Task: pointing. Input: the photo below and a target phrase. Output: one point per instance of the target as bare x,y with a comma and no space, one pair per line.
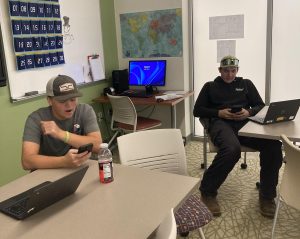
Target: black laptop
41,196
280,111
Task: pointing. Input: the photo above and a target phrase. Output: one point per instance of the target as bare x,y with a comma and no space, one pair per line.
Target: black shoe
267,207
212,204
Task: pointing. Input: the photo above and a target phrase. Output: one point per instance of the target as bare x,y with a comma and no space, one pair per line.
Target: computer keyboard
137,94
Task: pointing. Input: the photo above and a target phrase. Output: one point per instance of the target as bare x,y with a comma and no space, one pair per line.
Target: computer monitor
147,73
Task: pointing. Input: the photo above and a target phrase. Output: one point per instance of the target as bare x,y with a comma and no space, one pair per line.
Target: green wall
13,115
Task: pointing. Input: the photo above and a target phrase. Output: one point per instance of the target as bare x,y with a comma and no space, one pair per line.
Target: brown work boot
267,207
212,204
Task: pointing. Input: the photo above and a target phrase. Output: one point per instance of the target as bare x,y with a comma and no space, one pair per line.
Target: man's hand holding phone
234,113
84,148
235,109
239,113
75,158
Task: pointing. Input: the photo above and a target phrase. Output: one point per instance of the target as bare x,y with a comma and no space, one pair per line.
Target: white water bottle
105,164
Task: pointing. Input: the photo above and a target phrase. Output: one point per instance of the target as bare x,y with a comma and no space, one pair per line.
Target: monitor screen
147,73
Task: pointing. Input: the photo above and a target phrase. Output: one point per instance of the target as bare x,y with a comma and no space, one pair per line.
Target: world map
152,34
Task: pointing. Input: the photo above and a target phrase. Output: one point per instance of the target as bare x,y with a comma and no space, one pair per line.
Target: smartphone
86,147
235,109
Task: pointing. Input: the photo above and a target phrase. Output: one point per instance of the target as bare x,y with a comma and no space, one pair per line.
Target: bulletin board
76,33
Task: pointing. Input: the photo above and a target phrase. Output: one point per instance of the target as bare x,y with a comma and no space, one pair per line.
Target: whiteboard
82,38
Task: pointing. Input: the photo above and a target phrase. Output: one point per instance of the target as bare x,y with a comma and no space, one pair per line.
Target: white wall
285,82
251,50
85,21
177,67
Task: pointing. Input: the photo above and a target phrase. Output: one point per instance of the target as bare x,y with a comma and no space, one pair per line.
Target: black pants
224,135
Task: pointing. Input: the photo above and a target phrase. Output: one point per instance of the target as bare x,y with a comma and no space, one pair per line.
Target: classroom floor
238,198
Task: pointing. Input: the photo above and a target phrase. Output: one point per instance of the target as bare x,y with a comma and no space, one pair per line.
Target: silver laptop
41,196
280,111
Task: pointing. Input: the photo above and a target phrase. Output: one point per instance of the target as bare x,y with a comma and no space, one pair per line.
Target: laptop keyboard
19,207
260,119
260,116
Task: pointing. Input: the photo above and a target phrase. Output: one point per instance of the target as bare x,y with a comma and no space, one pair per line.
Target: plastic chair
167,228
125,119
163,150
209,147
289,191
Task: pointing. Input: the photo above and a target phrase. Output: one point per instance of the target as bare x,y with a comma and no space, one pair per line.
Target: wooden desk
152,101
130,207
273,131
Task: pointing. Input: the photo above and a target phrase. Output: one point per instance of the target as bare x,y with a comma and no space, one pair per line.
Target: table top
132,206
150,100
273,131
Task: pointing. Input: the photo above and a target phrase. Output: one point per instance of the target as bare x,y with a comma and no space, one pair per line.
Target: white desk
152,101
273,131
130,207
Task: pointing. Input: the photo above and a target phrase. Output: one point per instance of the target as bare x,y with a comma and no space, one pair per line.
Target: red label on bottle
106,172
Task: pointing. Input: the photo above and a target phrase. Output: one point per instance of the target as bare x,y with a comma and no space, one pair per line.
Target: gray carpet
238,198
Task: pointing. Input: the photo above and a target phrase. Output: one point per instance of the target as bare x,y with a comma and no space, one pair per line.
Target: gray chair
125,118
209,147
163,150
289,190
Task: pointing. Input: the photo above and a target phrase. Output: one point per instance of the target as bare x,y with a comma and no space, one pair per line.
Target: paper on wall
96,68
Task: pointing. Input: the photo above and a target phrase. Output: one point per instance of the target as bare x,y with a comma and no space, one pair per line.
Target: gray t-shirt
84,121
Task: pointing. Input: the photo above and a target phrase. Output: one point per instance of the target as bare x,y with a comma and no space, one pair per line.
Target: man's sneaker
267,207
212,204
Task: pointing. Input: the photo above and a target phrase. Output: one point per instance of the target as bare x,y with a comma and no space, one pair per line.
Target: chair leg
276,216
184,234
201,233
112,139
204,164
257,185
244,164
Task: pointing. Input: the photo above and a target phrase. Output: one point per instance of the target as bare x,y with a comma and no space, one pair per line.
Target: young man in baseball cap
53,134
216,101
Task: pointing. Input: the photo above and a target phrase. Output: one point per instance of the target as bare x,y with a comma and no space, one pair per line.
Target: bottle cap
104,145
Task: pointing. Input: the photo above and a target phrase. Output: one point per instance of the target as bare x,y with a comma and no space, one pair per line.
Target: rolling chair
125,119
214,149
163,150
289,191
209,147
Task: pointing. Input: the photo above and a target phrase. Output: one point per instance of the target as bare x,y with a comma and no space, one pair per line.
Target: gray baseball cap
62,88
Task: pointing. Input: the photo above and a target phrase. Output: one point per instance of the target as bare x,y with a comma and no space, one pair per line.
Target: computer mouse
159,100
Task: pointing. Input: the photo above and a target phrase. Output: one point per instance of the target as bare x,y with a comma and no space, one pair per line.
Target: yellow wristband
67,137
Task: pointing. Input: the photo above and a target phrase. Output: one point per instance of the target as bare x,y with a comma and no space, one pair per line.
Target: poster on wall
225,48
152,34
226,27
